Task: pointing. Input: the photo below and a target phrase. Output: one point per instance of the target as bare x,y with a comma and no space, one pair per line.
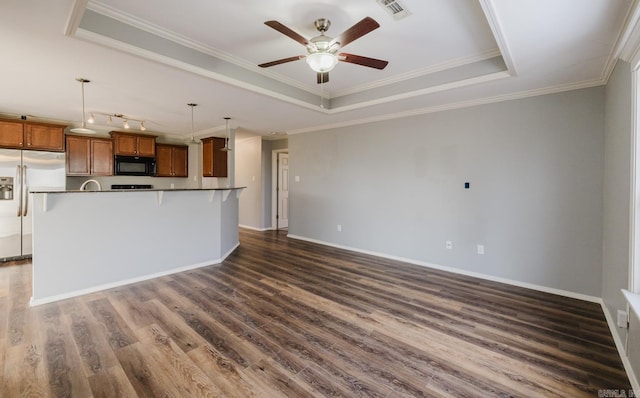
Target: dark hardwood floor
287,318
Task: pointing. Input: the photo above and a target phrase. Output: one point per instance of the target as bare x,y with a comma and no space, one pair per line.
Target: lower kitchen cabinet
172,160
214,160
89,156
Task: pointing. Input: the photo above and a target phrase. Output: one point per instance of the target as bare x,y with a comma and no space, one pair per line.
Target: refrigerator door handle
19,184
26,190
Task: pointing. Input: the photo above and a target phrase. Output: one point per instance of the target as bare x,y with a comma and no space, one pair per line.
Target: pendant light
226,139
83,129
192,140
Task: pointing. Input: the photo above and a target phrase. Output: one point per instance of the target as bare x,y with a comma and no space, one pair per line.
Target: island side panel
89,241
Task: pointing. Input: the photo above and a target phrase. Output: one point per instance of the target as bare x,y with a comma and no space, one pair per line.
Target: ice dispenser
6,188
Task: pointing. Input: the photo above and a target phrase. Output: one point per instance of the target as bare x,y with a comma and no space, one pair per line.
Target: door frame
274,185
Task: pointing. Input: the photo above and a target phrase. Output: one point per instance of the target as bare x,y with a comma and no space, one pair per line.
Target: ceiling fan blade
287,32
323,77
356,31
364,61
281,61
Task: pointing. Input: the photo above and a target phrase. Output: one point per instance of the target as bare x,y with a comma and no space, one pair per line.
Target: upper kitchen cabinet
131,144
29,135
172,160
89,156
214,160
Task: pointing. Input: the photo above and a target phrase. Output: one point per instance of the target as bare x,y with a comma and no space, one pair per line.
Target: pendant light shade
192,140
226,139
83,129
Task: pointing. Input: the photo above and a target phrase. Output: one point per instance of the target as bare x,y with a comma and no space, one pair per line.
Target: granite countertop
138,190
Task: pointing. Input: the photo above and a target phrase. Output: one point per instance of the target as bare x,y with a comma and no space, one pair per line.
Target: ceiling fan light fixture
322,61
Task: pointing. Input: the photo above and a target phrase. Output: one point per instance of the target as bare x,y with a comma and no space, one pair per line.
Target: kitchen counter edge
142,190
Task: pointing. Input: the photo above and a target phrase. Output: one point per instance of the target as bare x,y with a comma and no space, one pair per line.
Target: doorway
280,189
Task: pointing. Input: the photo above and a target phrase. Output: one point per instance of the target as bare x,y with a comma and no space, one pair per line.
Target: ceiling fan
322,51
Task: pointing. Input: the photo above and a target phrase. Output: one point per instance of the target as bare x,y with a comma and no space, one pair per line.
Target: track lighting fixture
125,120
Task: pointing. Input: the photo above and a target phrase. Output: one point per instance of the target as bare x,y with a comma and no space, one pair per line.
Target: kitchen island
86,241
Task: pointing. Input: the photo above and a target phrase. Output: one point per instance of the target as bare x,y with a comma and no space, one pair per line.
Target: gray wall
617,190
535,167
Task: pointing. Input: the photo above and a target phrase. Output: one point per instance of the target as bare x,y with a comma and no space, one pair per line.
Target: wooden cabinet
214,160
131,144
172,160
28,135
89,156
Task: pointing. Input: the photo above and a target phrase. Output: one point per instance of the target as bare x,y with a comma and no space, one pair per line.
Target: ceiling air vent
395,8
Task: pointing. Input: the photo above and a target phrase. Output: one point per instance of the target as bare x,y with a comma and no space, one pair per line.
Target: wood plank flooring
285,318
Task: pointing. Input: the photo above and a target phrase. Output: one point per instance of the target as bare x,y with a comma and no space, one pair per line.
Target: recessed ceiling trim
490,13
166,60
452,106
75,16
424,91
628,43
454,63
177,38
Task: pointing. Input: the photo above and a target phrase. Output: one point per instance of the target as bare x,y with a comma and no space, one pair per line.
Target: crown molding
156,30
75,16
627,47
454,63
453,106
490,13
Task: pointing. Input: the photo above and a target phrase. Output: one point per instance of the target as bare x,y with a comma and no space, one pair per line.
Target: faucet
84,184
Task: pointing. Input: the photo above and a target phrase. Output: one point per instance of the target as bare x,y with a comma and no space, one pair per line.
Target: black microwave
134,166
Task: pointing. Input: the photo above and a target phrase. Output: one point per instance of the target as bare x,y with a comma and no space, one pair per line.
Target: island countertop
135,190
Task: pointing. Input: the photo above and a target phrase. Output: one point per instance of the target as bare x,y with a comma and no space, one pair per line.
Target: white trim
75,16
424,91
620,346
45,300
419,72
454,105
140,52
492,278
494,23
629,38
253,228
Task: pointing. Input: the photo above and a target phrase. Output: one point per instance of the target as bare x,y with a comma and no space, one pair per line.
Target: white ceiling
148,59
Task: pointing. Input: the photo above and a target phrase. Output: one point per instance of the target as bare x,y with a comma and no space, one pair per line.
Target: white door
283,190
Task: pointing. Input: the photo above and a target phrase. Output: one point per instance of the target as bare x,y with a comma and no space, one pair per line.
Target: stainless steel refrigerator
21,172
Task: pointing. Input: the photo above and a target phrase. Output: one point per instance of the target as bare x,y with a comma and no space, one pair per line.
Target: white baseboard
45,300
532,286
254,228
620,346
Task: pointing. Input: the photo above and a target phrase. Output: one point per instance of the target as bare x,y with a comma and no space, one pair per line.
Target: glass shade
322,62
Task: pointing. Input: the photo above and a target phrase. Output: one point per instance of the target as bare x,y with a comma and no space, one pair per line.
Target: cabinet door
181,162
207,157
146,146
78,156
101,157
126,145
47,138
11,134
219,158
164,161
214,161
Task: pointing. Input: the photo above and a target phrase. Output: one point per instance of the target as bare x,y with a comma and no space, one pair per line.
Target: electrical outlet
622,319
339,228
448,244
480,249
296,178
